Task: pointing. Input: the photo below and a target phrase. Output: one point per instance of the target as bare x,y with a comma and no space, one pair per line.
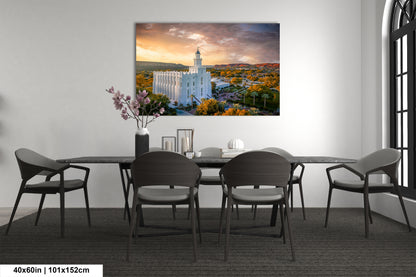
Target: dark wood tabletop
202,161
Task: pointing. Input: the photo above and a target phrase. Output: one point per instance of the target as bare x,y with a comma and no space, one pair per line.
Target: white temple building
183,86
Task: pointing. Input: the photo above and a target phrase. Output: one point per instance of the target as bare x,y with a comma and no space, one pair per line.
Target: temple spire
197,59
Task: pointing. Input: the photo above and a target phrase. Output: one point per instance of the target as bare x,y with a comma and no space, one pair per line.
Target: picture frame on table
185,140
169,143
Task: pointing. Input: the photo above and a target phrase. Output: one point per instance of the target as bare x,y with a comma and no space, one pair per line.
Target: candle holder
185,140
169,143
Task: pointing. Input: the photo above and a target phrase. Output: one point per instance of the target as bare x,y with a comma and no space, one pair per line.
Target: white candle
188,145
183,145
168,146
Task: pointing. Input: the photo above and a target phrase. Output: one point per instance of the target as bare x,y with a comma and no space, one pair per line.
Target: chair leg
87,205
301,199
366,212
369,213
227,228
42,198
238,212
19,195
198,218
62,198
173,212
282,223
399,194
328,205
193,228
291,196
288,224
141,218
174,207
254,207
134,215
224,199
273,217
138,216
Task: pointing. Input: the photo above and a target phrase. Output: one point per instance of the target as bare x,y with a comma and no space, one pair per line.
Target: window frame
403,24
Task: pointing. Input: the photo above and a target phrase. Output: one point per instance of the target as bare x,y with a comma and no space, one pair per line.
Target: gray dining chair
294,179
32,164
153,149
383,161
165,169
255,168
209,179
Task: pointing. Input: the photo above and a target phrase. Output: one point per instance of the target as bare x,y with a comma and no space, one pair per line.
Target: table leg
275,208
125,182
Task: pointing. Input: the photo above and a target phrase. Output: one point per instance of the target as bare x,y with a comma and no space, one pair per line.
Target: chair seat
257,195
53,186
164,195
210,180
358,184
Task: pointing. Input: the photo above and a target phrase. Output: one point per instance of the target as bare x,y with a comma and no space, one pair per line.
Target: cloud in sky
218,43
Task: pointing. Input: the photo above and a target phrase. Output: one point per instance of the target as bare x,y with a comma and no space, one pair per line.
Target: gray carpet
340,250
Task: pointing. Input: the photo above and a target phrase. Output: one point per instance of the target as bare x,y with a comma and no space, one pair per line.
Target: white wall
57,58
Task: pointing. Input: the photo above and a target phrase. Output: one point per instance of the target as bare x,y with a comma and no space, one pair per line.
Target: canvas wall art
210,69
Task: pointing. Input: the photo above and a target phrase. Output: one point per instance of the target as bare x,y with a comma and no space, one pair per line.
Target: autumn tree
144,81
209,107
259,89
272,81
236,81
234,111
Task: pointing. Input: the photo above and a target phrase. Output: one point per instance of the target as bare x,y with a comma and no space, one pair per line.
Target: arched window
402,90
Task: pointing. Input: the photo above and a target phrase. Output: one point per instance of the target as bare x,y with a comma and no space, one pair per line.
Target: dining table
124,164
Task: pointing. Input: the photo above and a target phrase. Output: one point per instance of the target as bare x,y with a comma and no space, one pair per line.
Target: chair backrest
32,163
164,168
387,158
213,152
279,151
256,168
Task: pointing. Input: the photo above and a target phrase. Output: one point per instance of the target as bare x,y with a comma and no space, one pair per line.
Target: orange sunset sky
218,43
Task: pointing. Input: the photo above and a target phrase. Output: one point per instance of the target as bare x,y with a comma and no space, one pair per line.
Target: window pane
404,53
404,92
405,169
405,129
398,56
399,172
399,130
399,93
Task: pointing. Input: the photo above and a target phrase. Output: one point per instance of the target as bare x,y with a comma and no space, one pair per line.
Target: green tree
162,98
254,94
213,87
265,96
